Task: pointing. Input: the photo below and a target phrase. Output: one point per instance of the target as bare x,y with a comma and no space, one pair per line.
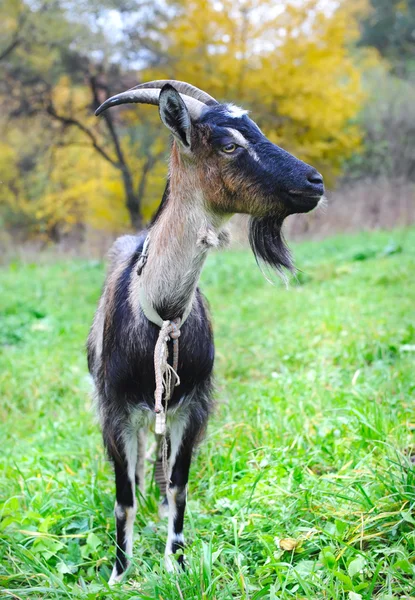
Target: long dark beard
268,244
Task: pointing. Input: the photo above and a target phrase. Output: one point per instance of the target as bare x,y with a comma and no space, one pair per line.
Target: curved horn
180,86
150,96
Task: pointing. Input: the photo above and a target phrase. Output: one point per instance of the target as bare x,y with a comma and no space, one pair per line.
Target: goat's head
239,169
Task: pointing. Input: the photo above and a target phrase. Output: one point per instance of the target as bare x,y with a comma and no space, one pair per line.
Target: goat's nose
315,178
315,183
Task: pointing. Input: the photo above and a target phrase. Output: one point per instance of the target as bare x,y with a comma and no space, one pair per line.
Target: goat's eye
229,148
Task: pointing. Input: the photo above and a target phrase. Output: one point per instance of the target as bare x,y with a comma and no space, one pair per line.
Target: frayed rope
166,379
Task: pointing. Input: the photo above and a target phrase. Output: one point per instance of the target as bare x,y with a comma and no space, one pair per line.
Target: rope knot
166,374
175,333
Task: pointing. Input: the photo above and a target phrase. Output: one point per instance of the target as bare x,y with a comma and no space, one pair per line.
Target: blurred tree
47,188
53,41
390,28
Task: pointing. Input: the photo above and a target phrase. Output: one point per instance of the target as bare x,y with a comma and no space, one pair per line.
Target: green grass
312,438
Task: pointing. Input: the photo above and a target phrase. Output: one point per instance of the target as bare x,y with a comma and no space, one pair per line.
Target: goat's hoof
181,561
115,577
169,563
174,565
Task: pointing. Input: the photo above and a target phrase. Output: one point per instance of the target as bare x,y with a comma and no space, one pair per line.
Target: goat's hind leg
123,451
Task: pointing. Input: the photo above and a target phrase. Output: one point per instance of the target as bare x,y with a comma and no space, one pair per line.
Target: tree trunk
148,165
132,200
134,211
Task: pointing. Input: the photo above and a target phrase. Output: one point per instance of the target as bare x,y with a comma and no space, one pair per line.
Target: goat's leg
125,462
141,461
182,443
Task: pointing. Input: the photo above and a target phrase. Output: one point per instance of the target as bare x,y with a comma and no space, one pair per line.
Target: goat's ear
174,114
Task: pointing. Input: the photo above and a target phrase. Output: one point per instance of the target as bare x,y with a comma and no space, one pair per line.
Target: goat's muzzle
307,197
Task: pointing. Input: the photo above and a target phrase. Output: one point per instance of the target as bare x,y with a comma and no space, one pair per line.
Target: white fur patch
242,141
238,137
177,429
253,154
129,528
207,238
235,111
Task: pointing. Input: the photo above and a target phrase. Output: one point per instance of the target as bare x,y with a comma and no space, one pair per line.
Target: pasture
304,486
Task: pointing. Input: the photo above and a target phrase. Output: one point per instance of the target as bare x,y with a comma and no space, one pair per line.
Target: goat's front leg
182,442
125,463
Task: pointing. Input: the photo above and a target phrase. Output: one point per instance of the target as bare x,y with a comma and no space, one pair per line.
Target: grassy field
304,486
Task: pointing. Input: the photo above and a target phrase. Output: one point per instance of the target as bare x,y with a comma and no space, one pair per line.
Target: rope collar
143,257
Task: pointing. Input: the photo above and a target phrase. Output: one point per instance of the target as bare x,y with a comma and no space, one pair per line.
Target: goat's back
123,249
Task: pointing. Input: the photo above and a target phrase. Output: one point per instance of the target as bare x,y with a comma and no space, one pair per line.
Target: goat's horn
180,86
150,96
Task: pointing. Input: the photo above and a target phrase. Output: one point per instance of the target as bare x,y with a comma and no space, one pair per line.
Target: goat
220,164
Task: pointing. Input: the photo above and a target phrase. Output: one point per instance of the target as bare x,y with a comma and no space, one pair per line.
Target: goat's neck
178,246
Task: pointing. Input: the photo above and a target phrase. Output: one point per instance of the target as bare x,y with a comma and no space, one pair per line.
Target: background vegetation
330,81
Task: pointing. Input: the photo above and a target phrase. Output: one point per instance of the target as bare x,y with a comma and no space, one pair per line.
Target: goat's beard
268,244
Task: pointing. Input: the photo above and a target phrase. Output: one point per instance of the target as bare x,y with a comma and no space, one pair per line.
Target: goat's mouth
287,203
300,202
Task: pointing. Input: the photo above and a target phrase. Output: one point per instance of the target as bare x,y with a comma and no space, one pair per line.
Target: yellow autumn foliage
67,184
288,61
